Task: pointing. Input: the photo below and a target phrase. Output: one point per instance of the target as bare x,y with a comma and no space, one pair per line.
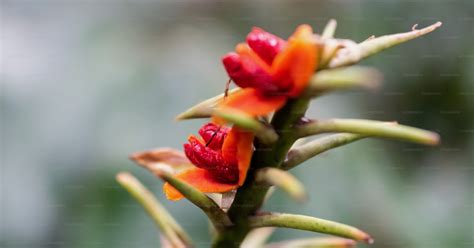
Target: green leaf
314,243
170,229
308,223
218,217
284,180
203,109
299,154
342,79
353,54
329,29
263,132
390,130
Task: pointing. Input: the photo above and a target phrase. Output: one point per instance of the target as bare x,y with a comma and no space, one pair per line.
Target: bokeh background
85,83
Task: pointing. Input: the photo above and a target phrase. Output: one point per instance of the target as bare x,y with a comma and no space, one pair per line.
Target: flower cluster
221,158
269,70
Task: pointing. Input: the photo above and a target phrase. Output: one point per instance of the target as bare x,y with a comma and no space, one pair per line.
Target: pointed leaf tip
204,108
329,30
369,240
353,54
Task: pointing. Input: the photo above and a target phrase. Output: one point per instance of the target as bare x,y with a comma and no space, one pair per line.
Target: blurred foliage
86,83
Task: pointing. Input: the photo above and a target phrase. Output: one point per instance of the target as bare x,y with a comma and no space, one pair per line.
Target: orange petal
230,145
238,145
297,62
244,154
253,102
201,180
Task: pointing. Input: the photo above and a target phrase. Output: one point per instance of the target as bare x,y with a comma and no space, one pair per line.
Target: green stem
251,195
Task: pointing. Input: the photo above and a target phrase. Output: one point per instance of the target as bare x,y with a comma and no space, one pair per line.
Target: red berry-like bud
264,44
213,135
234,67
210,158
202,156
247,73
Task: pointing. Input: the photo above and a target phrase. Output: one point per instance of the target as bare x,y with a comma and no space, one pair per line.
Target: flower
270,70
221,158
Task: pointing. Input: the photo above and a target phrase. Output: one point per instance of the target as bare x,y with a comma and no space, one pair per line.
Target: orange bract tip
302,30
253,102
242,48
197,139
201,180
298,61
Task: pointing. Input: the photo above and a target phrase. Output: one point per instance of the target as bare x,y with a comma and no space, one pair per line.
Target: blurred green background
85,83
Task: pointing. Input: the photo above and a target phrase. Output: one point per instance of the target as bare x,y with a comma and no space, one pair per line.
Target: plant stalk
251,195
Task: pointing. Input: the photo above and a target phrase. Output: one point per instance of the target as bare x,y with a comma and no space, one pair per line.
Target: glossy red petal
213,135
243,76
211,160
201,180
265,44
200,155
258,72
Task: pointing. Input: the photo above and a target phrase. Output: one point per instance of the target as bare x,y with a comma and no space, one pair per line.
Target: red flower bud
271,70
248,74
211,158
213,135
265,44
221,159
